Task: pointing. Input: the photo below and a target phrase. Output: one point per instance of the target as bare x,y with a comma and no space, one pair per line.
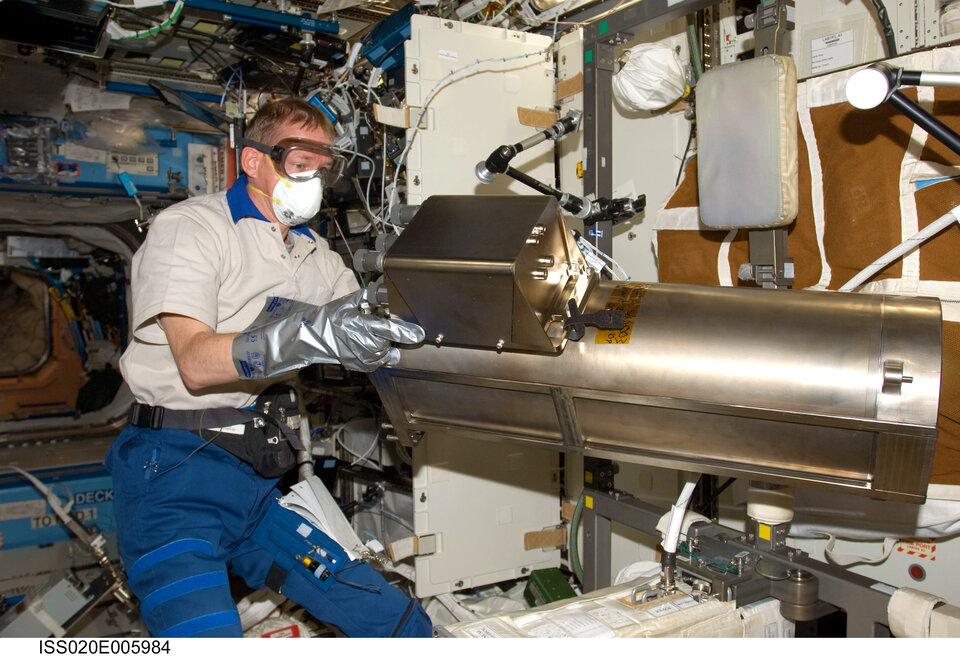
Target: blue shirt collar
242,207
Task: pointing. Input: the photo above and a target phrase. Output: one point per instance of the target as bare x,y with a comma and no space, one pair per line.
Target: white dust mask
297,202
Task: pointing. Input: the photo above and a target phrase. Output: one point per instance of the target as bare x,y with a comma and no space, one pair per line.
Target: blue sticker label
593,232
127,183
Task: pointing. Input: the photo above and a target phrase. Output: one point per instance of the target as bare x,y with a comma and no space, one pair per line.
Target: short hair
276,113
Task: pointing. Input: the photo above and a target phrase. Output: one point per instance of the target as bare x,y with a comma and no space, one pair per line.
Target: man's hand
290,335
366,339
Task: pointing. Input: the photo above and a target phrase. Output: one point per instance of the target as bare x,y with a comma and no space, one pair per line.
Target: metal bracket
619,38
644,593
769,265
773,21
603,319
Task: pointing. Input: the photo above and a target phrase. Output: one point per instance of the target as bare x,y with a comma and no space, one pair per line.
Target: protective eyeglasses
301,159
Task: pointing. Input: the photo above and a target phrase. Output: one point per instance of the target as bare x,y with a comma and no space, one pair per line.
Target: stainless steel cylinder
786,386
799,595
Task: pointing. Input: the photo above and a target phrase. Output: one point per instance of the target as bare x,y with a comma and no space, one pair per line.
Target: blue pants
181,530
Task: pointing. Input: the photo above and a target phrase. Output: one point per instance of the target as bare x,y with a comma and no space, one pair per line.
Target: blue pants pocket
295,543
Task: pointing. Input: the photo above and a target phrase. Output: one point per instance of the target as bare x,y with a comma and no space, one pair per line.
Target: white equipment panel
472,111
479,499
832,35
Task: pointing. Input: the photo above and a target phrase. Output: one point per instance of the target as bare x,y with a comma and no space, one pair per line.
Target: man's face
261,170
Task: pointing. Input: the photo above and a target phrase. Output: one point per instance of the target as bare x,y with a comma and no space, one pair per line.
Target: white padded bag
747,144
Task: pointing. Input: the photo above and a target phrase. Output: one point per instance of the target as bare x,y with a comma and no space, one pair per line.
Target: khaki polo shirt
215,258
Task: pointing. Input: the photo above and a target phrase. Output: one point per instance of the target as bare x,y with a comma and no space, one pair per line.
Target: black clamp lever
603,320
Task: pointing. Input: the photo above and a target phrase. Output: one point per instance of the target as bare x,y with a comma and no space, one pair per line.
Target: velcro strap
276,577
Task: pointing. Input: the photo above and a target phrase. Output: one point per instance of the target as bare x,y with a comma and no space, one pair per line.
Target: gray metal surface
518,272
782,386
808,588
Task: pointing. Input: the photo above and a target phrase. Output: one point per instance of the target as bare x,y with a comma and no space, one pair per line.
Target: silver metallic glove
290,334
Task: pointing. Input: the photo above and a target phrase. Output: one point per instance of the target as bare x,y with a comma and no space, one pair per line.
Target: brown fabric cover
860,152
939,256
860,155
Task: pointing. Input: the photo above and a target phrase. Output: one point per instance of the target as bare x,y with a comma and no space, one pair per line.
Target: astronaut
230,291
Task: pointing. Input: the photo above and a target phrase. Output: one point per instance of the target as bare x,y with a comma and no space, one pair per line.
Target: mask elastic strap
263,193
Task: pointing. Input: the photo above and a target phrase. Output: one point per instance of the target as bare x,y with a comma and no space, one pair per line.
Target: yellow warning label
626,298
579,170
589,502
588,476
763,532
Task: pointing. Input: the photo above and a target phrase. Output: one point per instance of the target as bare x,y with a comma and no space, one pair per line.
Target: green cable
694,48
574,528
153,31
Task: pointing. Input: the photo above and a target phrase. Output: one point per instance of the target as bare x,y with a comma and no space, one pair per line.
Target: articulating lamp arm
879,83
590,212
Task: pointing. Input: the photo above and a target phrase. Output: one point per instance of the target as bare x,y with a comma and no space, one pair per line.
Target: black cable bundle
888,36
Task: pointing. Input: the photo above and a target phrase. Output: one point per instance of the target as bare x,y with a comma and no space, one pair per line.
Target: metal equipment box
514,283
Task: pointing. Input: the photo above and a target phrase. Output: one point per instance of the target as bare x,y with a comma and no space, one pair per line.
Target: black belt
156,417
265,443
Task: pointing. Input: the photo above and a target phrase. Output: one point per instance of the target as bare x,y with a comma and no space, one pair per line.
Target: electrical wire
61,509
93,539
620,5
240,88
338,438
122,34
439,86
912,242
720,490
215,63
277,68
671,536
383,172
889,38
345,242
683,158
591,252
386,513
365,199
